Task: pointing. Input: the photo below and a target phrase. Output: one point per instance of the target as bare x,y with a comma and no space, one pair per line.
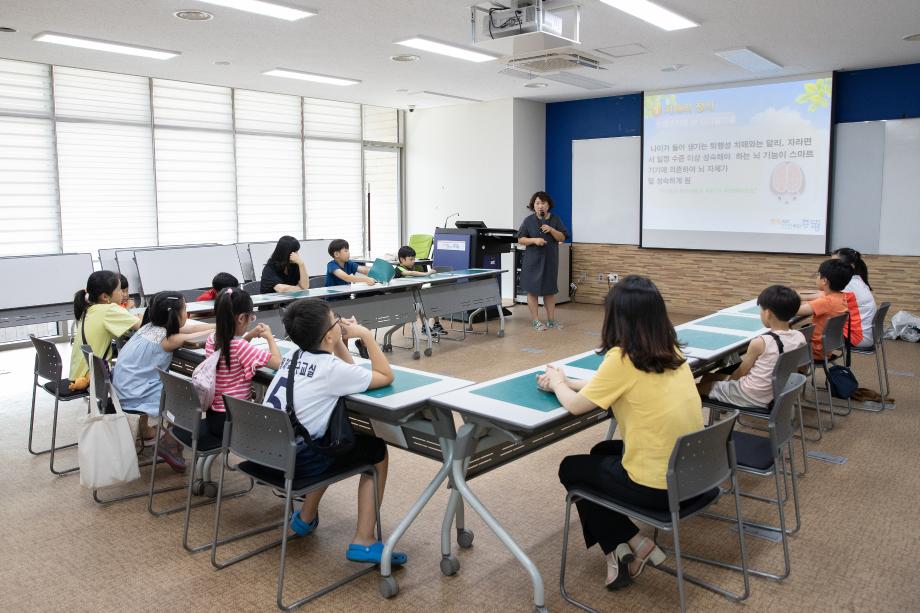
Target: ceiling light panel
653,13
310,76
750,61
572,78
261,7
104,45
423,43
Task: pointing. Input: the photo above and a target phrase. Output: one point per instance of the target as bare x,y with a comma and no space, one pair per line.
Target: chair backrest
317,281
787,363
832,338
48,362
783,412
179,402
808,331
253,287
274,319
878,323
700,461
422,244
98,379
261,434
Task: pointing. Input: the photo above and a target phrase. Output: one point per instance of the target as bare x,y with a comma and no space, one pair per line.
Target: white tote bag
106,446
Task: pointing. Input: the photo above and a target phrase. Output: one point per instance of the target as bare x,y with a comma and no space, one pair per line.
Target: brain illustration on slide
787,182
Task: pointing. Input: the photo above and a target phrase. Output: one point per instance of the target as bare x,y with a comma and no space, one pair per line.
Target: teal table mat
751,310
735,322
706,340
402,382
521,391
589,362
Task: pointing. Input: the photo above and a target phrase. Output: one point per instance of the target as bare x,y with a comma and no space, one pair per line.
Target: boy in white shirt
325,372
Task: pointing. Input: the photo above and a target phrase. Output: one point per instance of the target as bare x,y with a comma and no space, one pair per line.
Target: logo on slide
787,181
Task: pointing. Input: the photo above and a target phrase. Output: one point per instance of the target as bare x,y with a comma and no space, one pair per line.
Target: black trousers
603,472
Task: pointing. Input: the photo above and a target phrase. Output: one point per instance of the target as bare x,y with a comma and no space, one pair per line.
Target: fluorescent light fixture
440,95
747,59
261,7
309,76
104,45
653,13
427,44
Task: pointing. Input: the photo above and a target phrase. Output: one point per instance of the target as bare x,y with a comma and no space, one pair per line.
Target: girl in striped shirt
239,359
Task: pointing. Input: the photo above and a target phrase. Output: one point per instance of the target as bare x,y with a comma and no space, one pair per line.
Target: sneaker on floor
553,324
439,330
172,456
538,325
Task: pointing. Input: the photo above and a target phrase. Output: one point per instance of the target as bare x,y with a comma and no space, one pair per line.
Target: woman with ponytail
239,359
165,328
861,290
99,318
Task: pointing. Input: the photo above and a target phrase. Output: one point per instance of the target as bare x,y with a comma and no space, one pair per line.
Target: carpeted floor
855,552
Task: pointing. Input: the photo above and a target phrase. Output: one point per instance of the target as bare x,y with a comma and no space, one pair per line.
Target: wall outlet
601,277
612,277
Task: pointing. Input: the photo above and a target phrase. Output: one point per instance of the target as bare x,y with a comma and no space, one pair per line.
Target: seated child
325,372
221,280
833,276
135,378
407,268
341,270
127,302
750,385
99,318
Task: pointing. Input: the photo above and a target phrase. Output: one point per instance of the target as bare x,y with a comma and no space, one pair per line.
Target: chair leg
881,346
565,550
802,438
675,521
54,443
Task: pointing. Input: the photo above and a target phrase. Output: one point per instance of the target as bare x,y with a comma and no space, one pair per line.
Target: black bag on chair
339,438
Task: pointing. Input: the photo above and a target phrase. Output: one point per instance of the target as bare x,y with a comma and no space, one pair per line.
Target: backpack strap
299,430
779,341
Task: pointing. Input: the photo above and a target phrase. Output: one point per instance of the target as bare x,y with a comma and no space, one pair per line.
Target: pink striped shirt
245,360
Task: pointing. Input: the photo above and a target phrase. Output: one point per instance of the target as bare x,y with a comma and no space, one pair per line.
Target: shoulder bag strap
779,342
289,401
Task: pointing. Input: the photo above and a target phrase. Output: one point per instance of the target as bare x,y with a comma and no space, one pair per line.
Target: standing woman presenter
541,234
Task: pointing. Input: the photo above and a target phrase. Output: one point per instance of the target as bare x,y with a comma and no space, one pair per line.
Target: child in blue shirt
341,270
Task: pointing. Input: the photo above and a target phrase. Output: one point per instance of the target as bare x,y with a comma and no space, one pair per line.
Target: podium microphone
457,214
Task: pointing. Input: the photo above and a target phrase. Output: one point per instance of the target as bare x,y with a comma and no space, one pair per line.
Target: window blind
28,174
381,124
269,165
333,192
105,160
331,119
195,165
381,179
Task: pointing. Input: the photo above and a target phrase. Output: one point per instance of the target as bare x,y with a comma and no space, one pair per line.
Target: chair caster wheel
449,566
501,334
416,355
465,538
387,348
209,489
388,587
540,610
197,487
428,352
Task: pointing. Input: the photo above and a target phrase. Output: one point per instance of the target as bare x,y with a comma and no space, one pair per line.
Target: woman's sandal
619,559
372,553
646,553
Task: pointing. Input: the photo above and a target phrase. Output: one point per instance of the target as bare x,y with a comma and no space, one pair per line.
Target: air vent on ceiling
554,60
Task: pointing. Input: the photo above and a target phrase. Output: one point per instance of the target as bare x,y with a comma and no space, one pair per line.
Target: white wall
529,155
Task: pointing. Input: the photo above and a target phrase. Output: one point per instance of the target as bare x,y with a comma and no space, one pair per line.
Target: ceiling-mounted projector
512,27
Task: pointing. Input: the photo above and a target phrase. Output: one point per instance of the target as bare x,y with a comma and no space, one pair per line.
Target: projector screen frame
734,84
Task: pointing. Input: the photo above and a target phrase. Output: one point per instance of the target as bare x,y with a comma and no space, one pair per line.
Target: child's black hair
165,311
405,252
782,301
855,261
99,283
124,282
837,273
230,303
281,256
636,321
307,322
223,280
337,245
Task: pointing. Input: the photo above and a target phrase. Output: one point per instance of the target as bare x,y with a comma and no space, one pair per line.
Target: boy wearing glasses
325,371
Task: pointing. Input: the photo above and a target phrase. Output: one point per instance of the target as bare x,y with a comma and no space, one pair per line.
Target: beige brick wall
699,281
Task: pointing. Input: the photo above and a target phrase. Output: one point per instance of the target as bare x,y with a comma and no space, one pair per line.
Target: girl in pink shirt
239,359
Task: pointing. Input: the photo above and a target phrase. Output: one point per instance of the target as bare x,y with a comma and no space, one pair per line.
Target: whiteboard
43,279
606,182
109,260
313,252
900,218
183,268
